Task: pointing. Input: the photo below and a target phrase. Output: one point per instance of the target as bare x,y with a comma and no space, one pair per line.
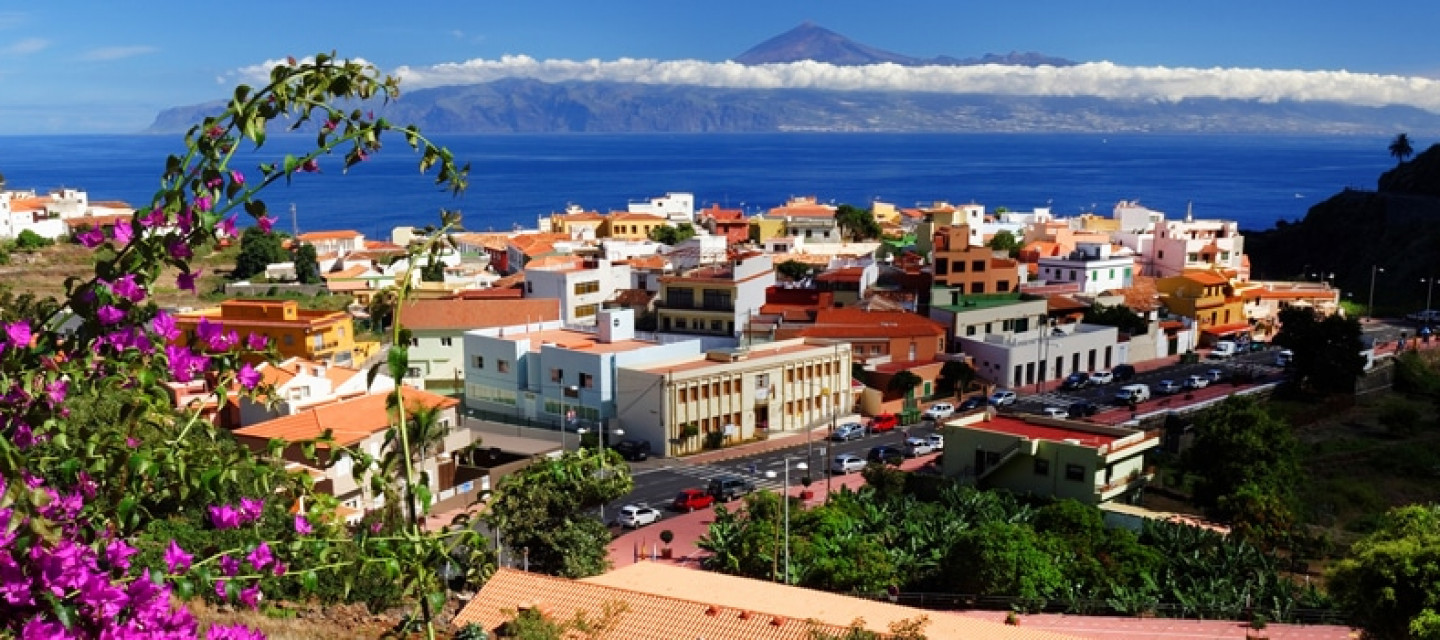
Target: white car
937,442
939,411
847,462
1102,377
1284,358
636,516
1055,412
1002,398
916,447
1196,382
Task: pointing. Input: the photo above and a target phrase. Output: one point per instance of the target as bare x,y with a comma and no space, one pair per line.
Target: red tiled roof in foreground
349,422
1021,428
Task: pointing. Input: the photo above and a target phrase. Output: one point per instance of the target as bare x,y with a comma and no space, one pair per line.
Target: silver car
916,447
636,516
847,462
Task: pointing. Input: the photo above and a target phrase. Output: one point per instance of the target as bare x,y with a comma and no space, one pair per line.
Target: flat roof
701,362
971,303
1014,427
576,341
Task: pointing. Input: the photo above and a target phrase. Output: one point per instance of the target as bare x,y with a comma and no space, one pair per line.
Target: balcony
693,306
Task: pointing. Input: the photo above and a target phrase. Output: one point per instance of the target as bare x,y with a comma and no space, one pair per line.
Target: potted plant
1012,619
806,493
689,430
666,536
1258,622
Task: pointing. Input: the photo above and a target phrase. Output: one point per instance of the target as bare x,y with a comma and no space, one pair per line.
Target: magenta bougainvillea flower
110,314
226,228
164,326
302,525
248,376
265,223
91,238
123,232
186,280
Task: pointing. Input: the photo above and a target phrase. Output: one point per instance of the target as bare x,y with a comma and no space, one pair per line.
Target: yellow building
1210,299
325,336
885,212
622,225
577,224
762,229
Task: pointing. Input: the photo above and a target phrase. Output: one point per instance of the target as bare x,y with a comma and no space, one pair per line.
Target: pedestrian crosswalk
708,472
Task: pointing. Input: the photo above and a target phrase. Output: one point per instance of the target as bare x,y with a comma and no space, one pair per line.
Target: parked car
728,488
1167,387
916,447
1101,377
1284,358
635,516
884,422
1082,409
1428,316
1054,412
633,450
1215,375
848,431
846,462
972,403
1075,380
939,411
1223,350
1002,398
691,499
937,442
885,455
1132,393
1123,372
1196,382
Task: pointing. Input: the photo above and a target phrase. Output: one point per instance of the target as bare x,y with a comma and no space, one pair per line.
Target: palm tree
903,383
382,308
1400,148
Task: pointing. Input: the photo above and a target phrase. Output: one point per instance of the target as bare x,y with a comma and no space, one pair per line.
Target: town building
577,224
1263,308
727,396
622,225
962,262
1093,266
715,300
807,218
437,330
545,373
977,316
361,424
875,337
296,384
326,336
339,242
1048,353
1048,458
1189,244
1210,299
674,207
581,285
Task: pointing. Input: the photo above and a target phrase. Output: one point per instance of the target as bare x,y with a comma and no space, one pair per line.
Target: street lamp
600,436
1370,306
785,495
1430,291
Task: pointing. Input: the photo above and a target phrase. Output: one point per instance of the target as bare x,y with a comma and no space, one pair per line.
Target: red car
691,499
883,422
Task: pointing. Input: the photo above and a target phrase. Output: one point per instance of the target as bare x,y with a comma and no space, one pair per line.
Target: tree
1119,316
1327,350
381,308
1006,241
1390,580
258,250
857,223
534,511
903,383
955,376
1400,148
1248,463
794,269
29,241
672,236
1002,558
307,264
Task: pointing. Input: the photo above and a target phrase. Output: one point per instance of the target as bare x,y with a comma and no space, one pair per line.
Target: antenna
294,220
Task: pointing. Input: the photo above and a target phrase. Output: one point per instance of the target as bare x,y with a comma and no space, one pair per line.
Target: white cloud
117,53
25,46
1097,79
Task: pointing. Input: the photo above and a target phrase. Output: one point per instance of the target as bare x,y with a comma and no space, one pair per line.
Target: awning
1227,329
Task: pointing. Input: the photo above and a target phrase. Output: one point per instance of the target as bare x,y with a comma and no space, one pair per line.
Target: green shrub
30,241
1401,417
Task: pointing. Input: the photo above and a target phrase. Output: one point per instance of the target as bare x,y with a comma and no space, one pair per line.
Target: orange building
972,268
324,336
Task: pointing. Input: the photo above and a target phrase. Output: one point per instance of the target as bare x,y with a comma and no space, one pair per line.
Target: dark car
885,455
972,403
1075,380
633,450
1082,409
1123,372
728,488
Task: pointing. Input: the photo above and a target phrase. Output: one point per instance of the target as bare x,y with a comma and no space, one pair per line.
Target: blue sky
83,67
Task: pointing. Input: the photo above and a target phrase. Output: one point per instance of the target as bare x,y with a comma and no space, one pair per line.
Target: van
1223,350
1132,393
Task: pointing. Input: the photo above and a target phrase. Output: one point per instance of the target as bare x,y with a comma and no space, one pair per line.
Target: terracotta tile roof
491,241
463,314
723,215
1227,329
381,245
555,263
110,204
846,274
626,216
1205,278
633,298
849,322
28,204
509,282
730,594
650,262
280,373
348,272
1142,295
96,221
312,236
349,421
489,293
912,213
582,216
1064,303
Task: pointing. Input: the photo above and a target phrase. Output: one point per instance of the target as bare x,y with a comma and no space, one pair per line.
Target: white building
698,251
437,332
1045,355
677,207
336,242
1093,266
581,290
1198,244
298,384
718,299
1134,216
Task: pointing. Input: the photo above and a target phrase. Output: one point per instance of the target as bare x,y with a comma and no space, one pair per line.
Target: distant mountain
810,41
517,105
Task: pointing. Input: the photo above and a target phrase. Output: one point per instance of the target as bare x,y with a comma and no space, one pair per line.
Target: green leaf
308,581
399,361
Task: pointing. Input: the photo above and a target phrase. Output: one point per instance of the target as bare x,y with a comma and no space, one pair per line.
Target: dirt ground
44,272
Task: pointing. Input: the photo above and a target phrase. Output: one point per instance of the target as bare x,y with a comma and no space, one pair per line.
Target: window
529,287
978,266
1002,286
590,286
942,266
1160,255
1042,467
479,362
289,340
716,299
977,287
681,298
874,349
1075,472
557,375
587,381
414,342
959,266
762,381
587,310
679,323
970,330
412,372
445,342
717,325
1072,275
503,366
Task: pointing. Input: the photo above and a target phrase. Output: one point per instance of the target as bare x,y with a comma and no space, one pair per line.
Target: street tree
903,383
1006,241
672,236
794,269
1119,316
1327,350
956,377
258,250
1389,582
307,264
857,223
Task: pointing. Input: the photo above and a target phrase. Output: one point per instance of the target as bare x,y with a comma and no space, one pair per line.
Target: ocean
516,178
